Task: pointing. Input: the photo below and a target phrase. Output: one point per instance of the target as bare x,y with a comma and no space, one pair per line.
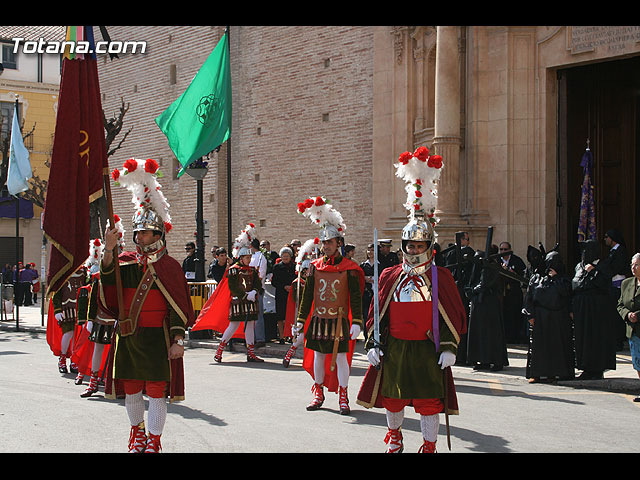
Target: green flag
200,119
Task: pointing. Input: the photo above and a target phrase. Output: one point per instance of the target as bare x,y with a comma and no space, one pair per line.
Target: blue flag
19,166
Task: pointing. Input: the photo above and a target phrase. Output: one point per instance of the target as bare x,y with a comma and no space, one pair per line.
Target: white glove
89,326
59,317
355,331
447,359
297,329
251,296
374,355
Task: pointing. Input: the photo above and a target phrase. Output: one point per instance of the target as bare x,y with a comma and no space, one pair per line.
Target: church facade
328,110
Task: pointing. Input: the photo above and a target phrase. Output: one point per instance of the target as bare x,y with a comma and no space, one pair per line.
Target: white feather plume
247,234
96,249
421,173
143,184
322,213
306,249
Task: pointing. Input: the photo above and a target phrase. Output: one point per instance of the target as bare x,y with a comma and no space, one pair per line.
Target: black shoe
637,399
496,368
590,376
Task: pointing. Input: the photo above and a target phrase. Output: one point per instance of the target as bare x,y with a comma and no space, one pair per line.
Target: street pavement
238,407
624,379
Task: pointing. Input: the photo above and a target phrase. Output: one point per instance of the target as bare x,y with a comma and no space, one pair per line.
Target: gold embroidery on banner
82,143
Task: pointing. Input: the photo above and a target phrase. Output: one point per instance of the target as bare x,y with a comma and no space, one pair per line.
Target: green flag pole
229,230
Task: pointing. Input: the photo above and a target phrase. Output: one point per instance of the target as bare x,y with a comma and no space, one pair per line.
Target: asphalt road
240,407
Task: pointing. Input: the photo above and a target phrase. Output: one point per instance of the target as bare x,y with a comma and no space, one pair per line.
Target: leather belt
129,324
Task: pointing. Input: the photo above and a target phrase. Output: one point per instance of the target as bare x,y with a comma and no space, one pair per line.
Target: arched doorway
599,109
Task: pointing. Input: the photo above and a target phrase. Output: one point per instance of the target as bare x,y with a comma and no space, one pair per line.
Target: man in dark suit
386,257
514,321
462,275
618,262
629,311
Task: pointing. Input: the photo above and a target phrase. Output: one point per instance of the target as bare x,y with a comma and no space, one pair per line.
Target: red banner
78,161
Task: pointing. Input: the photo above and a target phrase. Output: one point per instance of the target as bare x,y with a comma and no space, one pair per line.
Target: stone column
446,139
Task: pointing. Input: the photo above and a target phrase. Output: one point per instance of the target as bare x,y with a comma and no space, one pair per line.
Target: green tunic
142,355
411,368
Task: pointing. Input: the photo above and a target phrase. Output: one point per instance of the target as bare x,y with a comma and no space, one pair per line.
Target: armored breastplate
412,288
245,279
330,295
330,305
69,294
242,306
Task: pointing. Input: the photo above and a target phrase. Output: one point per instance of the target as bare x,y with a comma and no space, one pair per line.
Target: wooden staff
446,404
336,341
116,260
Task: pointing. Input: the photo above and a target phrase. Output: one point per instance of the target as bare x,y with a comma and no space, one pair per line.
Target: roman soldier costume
235,300
62,319
330,310
420,318
157,311
82,349
293,299
95,339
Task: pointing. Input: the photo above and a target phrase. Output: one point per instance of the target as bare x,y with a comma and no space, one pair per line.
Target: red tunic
448,297
173,290
331,377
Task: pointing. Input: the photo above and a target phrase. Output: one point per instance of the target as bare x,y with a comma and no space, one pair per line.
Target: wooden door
598,110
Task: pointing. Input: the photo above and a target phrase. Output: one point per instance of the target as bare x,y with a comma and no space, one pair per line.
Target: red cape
215,312
170,278
83,353
331,378
54,333
291,313
448,297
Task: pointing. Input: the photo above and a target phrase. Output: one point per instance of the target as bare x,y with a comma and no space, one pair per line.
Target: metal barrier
6,300
200,293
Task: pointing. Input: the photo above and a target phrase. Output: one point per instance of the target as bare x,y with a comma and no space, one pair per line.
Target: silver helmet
419,229
329,231
147,219
421,172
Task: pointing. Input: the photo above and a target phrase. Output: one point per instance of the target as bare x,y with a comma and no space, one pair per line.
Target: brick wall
302,126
